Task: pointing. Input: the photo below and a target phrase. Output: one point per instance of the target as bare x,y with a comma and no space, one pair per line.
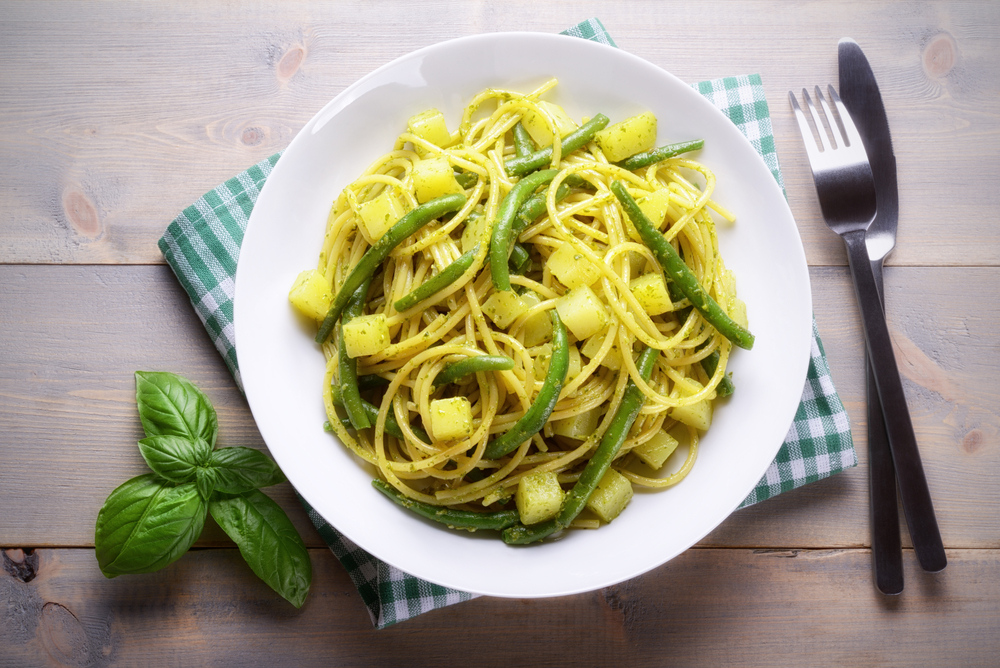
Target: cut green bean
536,205
680,273
519,166
647,158
347,367
520,259
710,364
504,226
607,450
371,410
522,141
438,282
372,381
466,179
538,413
374,256
470,365
455,519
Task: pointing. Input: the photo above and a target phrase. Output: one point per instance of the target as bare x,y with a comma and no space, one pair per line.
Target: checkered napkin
202,246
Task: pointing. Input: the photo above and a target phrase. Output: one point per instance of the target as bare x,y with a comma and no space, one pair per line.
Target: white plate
282,369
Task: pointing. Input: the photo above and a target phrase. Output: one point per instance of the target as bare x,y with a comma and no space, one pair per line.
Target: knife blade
860,94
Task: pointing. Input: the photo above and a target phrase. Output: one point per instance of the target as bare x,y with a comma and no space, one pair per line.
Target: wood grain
705,608
114,117
71,338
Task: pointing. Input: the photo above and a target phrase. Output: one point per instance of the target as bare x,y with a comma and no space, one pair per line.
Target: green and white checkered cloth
202,246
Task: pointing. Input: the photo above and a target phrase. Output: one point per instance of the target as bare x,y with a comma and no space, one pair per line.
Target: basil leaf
175,458
146,524
242,469
205,479
268,542
171,406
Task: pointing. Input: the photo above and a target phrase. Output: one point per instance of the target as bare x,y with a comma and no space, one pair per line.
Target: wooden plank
705,608
71,338
116,116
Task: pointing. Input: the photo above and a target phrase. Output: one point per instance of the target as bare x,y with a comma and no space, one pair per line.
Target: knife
861,96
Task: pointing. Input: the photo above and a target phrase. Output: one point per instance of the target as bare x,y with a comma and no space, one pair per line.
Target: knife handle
913,490
887,549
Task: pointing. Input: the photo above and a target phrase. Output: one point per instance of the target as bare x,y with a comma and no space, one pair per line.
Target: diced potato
656,450
578,427
636,262
613,360
697,415
539,130
539,497
631,136
738,312
544,355
381,213
582,312
366,335
571,268
472,235
655,205
433,178
650,291
538,328
504,307
613,493
430,126
311,294
451,418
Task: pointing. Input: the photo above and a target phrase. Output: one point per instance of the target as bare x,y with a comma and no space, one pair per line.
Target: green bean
647,158
538,413
347,367
710,364
438,282
466,179
504,225
372,381
535,205
522,141
391,426
519,166
610,445
469,365
520,259
679,272
375,255
455,519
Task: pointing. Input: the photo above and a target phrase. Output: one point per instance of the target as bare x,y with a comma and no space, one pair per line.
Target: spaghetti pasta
441,294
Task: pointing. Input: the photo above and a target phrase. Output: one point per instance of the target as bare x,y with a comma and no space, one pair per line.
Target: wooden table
114,117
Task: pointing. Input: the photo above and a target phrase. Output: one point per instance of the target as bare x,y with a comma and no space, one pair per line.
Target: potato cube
379,214
538,128
738,312
631,136
366,335
571,268
472,235
592,346
613,493
656,450
539,497
538,328
504,307
311,294
433,178
544,355
451,418
655,205
578,427
650,291
582,312
697,415
430,126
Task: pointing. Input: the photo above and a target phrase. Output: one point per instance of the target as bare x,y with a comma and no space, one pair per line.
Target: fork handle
887,553
913,491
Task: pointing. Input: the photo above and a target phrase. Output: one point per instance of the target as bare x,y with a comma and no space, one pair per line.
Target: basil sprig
153,519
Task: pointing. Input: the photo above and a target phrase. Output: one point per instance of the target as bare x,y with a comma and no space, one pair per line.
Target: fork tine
819,123
804,129
836,129
848,127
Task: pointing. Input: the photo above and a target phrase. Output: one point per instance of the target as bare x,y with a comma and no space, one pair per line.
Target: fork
846,191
